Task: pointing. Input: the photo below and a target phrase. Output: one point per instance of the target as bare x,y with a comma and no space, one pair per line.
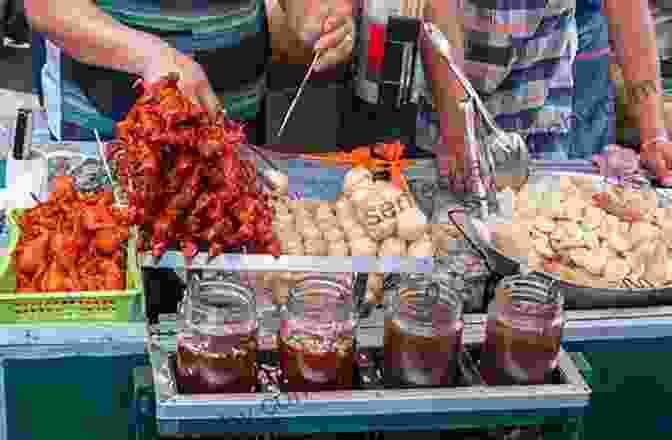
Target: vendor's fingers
207,97
310,35
337,55
666,181
311,21
598,160
334,22
665,175
334,37
189,92
657,162
451,165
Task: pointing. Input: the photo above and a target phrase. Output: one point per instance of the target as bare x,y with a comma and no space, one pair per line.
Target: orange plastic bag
375,157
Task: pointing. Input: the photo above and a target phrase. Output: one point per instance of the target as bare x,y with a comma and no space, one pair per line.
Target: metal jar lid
211,306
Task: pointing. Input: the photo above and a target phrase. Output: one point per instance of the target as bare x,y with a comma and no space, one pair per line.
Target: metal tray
361,409
576,297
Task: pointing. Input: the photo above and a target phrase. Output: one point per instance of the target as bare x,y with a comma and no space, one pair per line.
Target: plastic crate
111,306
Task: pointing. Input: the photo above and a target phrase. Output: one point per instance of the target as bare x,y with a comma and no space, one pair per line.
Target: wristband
653,141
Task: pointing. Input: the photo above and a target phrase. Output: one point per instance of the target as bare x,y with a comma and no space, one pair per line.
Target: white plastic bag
26,181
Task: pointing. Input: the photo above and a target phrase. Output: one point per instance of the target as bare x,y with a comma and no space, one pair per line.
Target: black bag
4,9
666,68
14,23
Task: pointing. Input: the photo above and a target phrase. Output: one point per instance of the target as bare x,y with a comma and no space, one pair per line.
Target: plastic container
575,297
117,306
523,333
423,333
217,342
317,335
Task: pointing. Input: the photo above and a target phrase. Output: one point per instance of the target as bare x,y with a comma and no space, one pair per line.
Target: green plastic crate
111,306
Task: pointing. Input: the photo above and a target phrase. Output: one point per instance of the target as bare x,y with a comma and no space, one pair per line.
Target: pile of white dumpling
592,239
340,227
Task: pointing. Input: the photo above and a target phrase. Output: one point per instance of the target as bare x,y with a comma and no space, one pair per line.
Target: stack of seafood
72,242
185,179
616,238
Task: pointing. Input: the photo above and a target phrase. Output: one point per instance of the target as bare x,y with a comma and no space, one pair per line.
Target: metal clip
433,292
23,134
359,293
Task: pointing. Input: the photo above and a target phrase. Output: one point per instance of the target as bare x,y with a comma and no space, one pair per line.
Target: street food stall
326,293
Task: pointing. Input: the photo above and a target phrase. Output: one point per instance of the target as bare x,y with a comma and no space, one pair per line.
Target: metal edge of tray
268,263
579,297
574,395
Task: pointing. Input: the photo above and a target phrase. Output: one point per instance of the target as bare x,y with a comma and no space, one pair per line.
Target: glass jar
317,335
217,341
423,333
523,333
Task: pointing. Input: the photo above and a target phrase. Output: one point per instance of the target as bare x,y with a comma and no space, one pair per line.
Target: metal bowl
576,297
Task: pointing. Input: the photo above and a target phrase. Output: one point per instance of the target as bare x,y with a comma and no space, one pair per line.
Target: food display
72,242
602,237
370,218
367,219
185,179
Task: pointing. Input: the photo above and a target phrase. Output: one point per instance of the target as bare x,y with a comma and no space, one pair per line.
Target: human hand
450,155
193,81
452,174
324,25
657,156
617,161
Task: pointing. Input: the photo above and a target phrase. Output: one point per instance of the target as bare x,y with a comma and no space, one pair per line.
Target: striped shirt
519,55
206,29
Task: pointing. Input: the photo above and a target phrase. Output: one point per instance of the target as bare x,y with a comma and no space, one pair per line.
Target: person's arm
446,90
633,34
91,36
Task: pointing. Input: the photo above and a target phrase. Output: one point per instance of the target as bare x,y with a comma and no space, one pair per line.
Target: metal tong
442,45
